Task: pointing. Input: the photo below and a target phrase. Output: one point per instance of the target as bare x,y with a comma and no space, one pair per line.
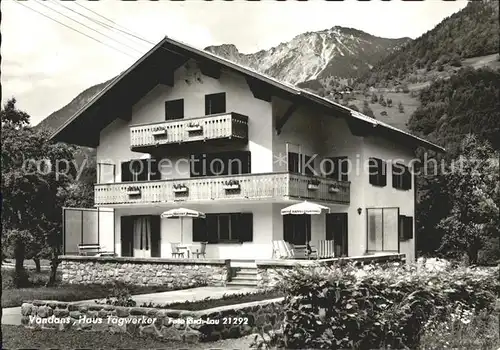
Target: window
405,227
337,168
401,177
382,229
297,229
224,227
219,164
300,163
140,170
174,109
215,103
378,172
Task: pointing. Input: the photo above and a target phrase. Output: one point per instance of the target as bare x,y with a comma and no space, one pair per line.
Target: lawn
18,337
12,296
230,299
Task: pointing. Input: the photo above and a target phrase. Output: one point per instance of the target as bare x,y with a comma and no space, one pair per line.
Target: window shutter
344,167
246,227
287,228
407,179
382,173
143,170
401,227
196,165
199,230
373,167
405,227
212,228
155,236
126,174
395,179
126,235
247,162
155,172
307,168
293,162
207,104
409,226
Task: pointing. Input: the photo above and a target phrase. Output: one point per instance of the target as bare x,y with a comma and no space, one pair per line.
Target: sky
45,64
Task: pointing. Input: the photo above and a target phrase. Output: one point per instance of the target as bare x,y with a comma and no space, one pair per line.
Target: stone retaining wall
230,321
144,272
270,272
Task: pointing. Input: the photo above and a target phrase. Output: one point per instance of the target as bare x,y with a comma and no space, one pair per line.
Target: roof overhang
157,66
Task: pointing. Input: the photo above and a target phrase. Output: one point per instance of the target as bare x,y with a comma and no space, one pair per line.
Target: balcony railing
221,188
191,130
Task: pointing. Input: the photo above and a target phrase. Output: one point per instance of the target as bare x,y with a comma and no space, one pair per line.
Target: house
185,128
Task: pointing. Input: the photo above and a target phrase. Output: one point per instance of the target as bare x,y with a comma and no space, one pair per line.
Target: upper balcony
208,129
246,187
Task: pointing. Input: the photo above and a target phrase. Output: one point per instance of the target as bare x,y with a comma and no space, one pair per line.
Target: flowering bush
462,329
341,307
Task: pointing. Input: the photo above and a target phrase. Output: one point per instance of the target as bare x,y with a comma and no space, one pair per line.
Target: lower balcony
268,186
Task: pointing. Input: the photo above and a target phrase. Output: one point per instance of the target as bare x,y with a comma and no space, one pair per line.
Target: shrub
119,296
347,307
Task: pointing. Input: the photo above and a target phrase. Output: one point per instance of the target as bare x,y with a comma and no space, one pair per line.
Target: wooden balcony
211,128
268,186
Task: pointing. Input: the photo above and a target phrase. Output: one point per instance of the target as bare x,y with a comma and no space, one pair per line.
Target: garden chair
326,249
199,249
303,251
175,251
281,250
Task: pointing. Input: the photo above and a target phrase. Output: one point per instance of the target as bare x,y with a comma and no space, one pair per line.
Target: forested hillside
471,32
467,102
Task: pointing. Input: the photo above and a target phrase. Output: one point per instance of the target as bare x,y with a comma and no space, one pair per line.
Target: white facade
306,132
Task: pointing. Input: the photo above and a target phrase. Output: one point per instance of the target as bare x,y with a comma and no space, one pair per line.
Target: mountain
471,32
59,117
318,56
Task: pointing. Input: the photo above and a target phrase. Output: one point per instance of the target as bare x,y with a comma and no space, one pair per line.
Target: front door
336,230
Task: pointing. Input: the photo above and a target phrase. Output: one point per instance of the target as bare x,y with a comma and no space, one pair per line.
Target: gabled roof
140,78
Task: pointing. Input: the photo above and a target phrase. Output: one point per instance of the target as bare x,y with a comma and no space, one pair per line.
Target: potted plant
159,130
192,127
313,185
180,188
333,188
133,191
231,185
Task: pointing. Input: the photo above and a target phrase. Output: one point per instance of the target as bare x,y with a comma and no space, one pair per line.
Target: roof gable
83,127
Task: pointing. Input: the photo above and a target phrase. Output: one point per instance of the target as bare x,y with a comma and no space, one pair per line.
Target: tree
31,210
474,189
401,107
353,107
368,111
381,99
